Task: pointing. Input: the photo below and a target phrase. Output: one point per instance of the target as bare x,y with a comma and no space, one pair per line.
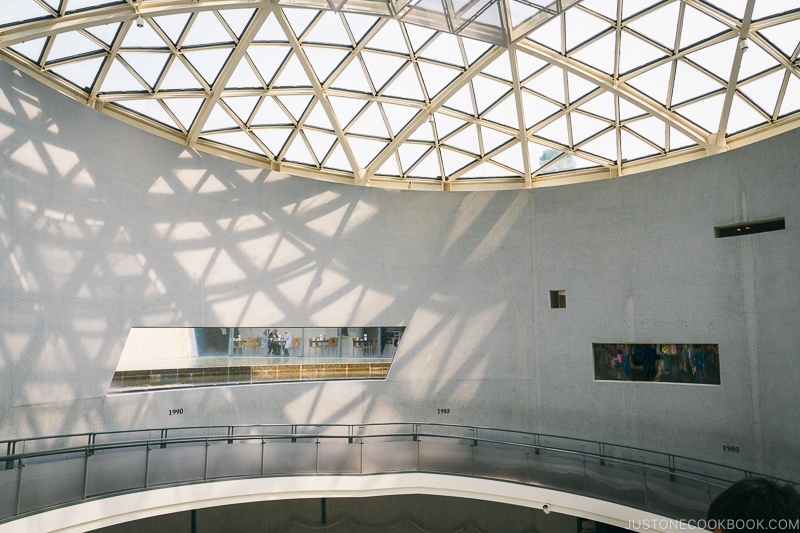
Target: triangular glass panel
105,32
520,13
556,131
474,49
539,155
743,116
466,140
705,113
490,16
764,91
756,60
791,98
324,60
461,101
678,140
444,49
299,19
293,75
717,59
30,49
418,35
365,150
270,113
765,9
537,109
236,139
584,126
654,83
329,30
398,116
298,152
77,5
428,167
22,11
487,170
80,73
601,7
267,59
184,109
504,113
208,63
628,110
423,133
389,168
500,68
237,19
527,65
296,104
206,29
389,38
493,139
691,83
651,129
659,25
549,34
635,52
352,78
732,7
321,143
549,83
511,157
172,25
601,105
55,4
581,26
410,153
445,124
454,161
144,37
634,148
632,7
346,108
436,77
578,87
273,138
179,78
405,85
119,79
148,65
783,36
219,119
487,92
564,163
698,26
359,24
243,77
242,106
149,108
370,123
381,67
318,118
604,146
70,44
271,32
338,159
599,54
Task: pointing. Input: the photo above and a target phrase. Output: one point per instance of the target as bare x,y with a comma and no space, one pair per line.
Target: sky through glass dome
428,93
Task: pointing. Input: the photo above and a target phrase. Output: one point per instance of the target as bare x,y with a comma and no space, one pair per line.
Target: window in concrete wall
666,363
157,358
558,299
747,228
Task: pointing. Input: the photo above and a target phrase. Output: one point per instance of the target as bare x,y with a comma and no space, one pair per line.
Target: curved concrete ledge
153,502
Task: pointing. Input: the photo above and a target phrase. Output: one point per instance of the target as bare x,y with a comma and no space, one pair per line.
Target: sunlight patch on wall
5,104
160,186
189,177
361,213
194,262
27,156
5,132
63,160
327,225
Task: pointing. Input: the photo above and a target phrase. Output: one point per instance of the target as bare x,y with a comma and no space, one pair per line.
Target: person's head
750,504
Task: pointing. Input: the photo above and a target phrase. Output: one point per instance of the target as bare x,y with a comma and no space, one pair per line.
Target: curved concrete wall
104,227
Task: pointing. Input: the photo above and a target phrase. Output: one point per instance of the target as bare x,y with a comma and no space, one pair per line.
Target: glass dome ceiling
432,94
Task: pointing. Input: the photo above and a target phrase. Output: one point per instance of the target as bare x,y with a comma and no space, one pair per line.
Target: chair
259,346
333,343
297,342
249,344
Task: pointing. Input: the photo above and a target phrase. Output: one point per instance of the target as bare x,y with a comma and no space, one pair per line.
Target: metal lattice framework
436,94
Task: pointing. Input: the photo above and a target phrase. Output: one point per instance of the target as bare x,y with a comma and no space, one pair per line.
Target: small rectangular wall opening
747,228
558,299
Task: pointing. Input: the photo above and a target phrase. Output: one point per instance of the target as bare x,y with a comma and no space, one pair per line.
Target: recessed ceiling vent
746,228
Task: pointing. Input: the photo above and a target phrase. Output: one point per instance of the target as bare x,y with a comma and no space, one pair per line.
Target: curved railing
49,472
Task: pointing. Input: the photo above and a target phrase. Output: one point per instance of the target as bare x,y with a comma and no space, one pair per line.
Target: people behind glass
677,363
287,342
273,342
